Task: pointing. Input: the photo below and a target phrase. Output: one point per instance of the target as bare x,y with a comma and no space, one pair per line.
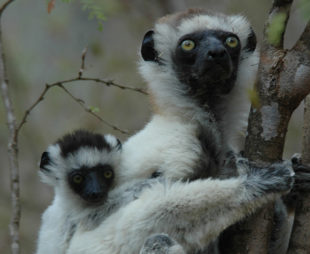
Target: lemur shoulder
198,66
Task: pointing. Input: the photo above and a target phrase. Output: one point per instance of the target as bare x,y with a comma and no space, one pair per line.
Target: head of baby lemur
81,167
197,57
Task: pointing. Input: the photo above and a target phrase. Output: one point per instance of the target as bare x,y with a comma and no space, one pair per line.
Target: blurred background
44,48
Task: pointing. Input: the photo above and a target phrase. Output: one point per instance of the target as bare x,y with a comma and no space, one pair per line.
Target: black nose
217,53
214,50
45,160
95,197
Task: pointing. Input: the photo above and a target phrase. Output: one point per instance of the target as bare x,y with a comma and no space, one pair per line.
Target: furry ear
119,145
48,169
251,42
45,160
113,142
147,49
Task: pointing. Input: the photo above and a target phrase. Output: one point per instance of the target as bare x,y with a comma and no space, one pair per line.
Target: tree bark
283,82
299,242
12,145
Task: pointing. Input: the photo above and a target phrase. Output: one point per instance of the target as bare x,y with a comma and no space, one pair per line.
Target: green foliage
304,6
276,29
94,109
254,97
98,9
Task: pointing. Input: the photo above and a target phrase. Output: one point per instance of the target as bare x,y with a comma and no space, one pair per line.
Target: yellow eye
188,45
77,178
232,42
108,174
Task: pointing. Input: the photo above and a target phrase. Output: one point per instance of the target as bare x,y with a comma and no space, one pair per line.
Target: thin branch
60,83
28,111
84,52
79,78
90,111
13,163
12,147
2,8
112,83
102,81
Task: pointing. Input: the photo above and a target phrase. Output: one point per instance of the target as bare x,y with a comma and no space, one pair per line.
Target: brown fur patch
154,107
175,19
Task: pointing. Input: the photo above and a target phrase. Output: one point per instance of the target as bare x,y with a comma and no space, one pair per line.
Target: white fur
192,213
168,141
90,157
67,208
169,144
51,235
237,106
161,244
165,87
163,144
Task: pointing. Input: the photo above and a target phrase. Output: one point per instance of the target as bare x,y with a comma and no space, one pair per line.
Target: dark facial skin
92,184
210,67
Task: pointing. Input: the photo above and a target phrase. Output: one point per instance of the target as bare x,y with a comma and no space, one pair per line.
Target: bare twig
12,146
112,83
13,159
90,111
2,8
28,111
79,78
61,83
82,63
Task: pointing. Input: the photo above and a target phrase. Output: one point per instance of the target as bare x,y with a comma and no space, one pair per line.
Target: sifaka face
92,184
83,163
207,59
202,50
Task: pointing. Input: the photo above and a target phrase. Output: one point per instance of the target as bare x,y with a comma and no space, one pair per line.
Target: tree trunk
299,242
282,83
